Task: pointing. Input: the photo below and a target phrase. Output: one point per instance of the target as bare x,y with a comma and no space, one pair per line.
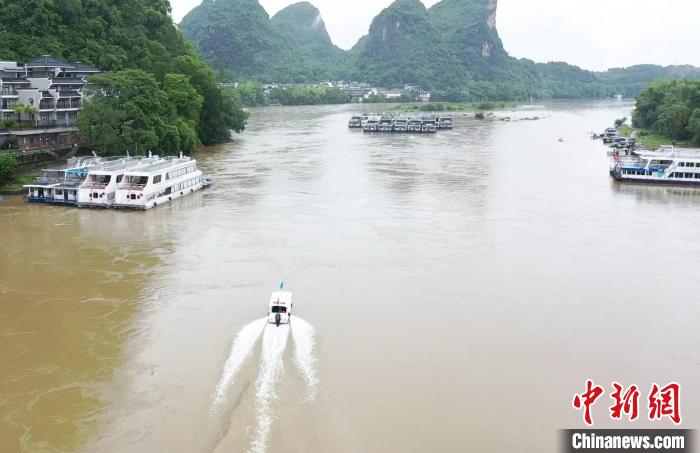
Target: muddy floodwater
451,294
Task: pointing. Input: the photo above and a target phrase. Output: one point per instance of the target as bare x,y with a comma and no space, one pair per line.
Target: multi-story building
53,86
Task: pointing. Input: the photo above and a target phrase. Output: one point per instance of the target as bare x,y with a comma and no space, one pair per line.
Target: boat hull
655,182
165,199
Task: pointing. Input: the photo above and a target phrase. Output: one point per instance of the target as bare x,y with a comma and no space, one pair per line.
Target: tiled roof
14,80
82,67
48,61
75,80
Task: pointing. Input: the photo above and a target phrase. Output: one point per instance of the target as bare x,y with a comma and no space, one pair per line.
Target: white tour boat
667,165
100,186
59,185
280,308
158,183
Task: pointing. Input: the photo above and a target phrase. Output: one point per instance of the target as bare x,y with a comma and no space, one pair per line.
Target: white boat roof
117,165
281,298
671,152
160,165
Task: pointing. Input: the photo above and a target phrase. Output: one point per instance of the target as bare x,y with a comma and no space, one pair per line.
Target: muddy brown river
451,294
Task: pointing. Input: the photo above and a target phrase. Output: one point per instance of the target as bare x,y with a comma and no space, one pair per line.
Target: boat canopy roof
671,152
281,298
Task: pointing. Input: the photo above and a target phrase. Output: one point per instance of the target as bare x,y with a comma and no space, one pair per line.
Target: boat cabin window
156,179
119,179
279,309
101,179
137,180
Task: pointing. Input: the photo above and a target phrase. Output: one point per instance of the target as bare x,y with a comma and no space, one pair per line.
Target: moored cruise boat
100,187
428,125
372,124
385,124
667,165
415,124
158,183
401,125
59,185
355,122
445,122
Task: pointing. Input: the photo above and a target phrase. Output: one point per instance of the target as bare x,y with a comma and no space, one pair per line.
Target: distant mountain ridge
452,48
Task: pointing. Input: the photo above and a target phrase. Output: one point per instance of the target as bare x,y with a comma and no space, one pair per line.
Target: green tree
670,108
220,113
129,112
20,109
119,35
8,165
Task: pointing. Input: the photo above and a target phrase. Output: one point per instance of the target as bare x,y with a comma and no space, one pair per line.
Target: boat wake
242,347
271,371
303,335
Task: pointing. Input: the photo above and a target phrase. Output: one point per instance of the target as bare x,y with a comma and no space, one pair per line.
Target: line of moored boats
630,162
401,123
118,182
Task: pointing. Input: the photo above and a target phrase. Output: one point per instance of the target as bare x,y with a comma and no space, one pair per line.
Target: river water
452,293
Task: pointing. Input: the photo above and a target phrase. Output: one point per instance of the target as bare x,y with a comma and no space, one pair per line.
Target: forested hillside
239,39
453,49
134,35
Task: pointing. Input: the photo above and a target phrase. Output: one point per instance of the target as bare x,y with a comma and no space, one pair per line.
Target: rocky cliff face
239,38
302,27
235,36
403,46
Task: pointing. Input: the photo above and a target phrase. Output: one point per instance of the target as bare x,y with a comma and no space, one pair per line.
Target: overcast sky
594,34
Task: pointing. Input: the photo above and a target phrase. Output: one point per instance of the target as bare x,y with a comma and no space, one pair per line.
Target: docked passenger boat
401,125
667,165
59,185
280,307
158,183
415,124
428,125
372,124
355,122
445,122
386,124
100,187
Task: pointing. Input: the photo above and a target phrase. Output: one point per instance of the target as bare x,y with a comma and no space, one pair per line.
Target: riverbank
459,107
649,139
15,186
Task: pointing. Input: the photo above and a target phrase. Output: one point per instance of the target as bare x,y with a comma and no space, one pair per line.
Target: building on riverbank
54,87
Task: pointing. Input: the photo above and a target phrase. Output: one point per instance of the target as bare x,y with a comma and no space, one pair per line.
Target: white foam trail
240,350
303,335
271,369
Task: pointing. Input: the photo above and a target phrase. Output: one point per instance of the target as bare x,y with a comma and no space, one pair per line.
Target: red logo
663,402
625,403
588,399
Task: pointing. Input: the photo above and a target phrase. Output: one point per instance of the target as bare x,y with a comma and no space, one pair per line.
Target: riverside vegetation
152,70
666,112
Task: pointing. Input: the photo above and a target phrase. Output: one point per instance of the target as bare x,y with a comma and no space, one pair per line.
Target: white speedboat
280,308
